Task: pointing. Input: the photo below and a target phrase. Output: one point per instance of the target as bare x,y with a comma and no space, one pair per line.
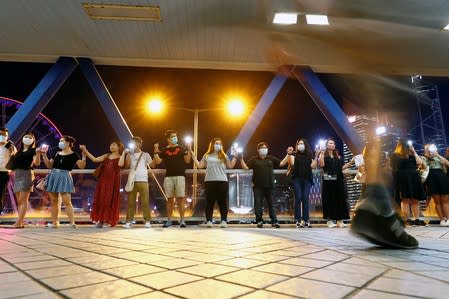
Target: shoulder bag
132,176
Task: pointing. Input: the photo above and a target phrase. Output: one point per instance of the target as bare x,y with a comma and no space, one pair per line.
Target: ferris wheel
43,128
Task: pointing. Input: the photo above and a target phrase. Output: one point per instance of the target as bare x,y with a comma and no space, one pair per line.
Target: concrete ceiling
401,37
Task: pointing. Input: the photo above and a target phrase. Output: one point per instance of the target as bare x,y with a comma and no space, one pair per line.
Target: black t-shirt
302,167
174,160
66,162
23,160
263,170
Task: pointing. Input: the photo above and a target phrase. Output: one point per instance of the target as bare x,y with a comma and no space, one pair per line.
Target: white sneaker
148,224
341,224
209,223
128,225
331,224
223,224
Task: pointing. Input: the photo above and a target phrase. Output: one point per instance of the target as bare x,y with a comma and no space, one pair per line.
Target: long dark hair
307,150
334,151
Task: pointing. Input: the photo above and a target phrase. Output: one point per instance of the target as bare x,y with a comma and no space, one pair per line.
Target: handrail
188,171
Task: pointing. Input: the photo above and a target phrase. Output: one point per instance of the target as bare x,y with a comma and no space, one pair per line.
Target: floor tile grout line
34,279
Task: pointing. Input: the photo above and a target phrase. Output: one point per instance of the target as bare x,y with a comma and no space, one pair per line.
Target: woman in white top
216,181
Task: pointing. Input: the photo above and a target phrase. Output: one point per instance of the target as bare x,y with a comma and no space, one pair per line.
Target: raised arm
188,157
94,159
156,158
37,157
82,162
125,160
198,164
48,163
314,163
231,163
321,159
444,160
417,157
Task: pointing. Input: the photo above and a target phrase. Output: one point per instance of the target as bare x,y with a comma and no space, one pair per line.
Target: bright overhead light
447,27
381,130
285,18
317,20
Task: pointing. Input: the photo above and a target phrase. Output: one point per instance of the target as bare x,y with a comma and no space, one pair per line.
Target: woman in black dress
409,189
333,194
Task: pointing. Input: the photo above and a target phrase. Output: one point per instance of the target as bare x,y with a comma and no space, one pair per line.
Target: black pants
259,195
216,191
4,178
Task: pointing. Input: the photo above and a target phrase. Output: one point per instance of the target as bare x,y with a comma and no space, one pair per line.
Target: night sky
293,114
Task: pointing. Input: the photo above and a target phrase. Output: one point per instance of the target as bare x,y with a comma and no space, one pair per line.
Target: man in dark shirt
263,181
176,160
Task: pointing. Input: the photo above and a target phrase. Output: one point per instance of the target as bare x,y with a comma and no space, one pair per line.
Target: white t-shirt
215,168
4,157
141,170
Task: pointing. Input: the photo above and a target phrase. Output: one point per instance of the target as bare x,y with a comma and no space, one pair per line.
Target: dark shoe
275,225
384,231
308,225
260,224
167,223
182,224
299,224
410,222
419,222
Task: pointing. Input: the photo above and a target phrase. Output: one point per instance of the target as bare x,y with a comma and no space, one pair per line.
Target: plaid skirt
59,180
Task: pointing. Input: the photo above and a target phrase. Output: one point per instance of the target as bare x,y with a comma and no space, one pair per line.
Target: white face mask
263,152
3,138
301,147
61,145
27,141
217,147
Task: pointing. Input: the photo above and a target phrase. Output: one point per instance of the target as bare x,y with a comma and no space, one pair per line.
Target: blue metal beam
329,107
262,107
116,119
40,96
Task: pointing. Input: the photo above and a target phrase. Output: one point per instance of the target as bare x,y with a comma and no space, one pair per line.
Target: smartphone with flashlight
44,148
410,143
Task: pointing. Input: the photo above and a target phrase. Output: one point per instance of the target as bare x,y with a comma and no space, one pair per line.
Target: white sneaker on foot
331,224
209,223
223,224
341,224
148,224
128,225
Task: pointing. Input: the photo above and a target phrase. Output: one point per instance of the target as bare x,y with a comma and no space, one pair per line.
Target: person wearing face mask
301,163
106,205
7,150
140,161
263,181
60,182
216,181
333,194
437,181
27,157
176,159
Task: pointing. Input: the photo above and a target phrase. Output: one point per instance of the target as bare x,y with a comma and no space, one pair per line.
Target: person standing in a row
24,160
7,149
263,181
334,197
106,205
216,161
60,182
407,182
437,181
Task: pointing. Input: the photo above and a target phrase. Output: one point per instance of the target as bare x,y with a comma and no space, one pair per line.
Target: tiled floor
218,263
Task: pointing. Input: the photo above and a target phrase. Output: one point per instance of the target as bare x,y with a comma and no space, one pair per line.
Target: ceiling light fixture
317,20
285,18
